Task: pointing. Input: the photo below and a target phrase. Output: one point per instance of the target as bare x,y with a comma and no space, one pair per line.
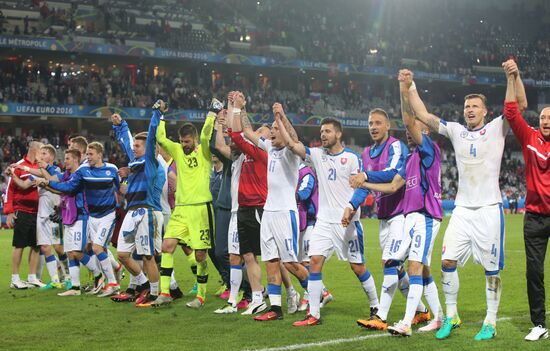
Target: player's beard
328,143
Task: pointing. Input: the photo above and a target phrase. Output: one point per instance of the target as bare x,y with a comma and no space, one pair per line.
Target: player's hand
42,183
405,77
116,119
123,172
357,180
10,220
510,68
348,215
278,110
42,164
231,97
9,171
240,101
161,106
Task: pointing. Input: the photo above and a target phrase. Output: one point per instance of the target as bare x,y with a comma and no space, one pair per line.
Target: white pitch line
348,340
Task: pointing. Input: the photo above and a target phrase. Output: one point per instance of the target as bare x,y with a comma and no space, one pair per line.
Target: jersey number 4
473,150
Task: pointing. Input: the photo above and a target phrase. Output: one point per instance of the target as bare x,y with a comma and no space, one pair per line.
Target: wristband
236,110
412,87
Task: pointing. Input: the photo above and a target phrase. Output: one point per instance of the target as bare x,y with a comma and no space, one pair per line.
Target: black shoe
176,293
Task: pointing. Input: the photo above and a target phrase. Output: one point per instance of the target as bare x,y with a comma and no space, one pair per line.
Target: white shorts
141,231
305,237
391,231
75,236
419,236
478,231
100,229
47,232
347,242
279,236
233,246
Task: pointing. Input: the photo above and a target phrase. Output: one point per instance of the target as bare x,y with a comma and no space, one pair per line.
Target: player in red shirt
21,207
535,144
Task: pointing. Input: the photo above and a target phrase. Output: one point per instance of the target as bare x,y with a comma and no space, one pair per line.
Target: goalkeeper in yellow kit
192,221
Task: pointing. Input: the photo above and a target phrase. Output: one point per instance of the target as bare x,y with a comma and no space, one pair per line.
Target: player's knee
123,256
426,271
169,246
448,265
415,268
358,269
200,255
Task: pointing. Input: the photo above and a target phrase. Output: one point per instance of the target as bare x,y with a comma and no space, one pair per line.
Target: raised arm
278,109
248,131
512,112
69,186
419,108
151,162
123,135
295,146
168,145
407,113
217,144
208,127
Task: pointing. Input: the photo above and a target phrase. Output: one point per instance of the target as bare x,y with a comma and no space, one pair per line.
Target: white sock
141,278
114,263
290,291
404,288
493,289
154,288
32,278
74,271
314,289
274,292
40,267
235,280
107,268
367,281
173,281
133,282
257,296
51,265
91,263
432,297
389,285
413,297
451,284
15,278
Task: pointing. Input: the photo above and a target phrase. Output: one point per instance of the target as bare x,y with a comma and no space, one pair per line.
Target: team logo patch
483,132
463,134
343,160
108,173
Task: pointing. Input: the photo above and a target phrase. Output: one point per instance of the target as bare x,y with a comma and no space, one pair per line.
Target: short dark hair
188,129
478,96
141,136
74,153
379,111
335,123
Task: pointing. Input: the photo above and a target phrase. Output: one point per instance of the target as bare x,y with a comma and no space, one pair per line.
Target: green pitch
31,319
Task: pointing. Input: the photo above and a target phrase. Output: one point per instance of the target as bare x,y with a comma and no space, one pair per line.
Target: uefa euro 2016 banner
20,42
86,111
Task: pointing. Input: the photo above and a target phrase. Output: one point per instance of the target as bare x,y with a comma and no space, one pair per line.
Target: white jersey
235,176
478,156
282,177
164,196
46,199
333,174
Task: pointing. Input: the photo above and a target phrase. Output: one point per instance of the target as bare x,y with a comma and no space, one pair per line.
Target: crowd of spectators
448,38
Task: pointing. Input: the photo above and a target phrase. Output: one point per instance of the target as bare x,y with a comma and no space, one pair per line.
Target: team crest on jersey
343,160
108,173
483,132
324,158
468,136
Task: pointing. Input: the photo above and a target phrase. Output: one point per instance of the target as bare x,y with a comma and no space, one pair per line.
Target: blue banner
237,59
86,111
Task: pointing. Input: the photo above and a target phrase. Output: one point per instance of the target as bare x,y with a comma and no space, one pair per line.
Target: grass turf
35,319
